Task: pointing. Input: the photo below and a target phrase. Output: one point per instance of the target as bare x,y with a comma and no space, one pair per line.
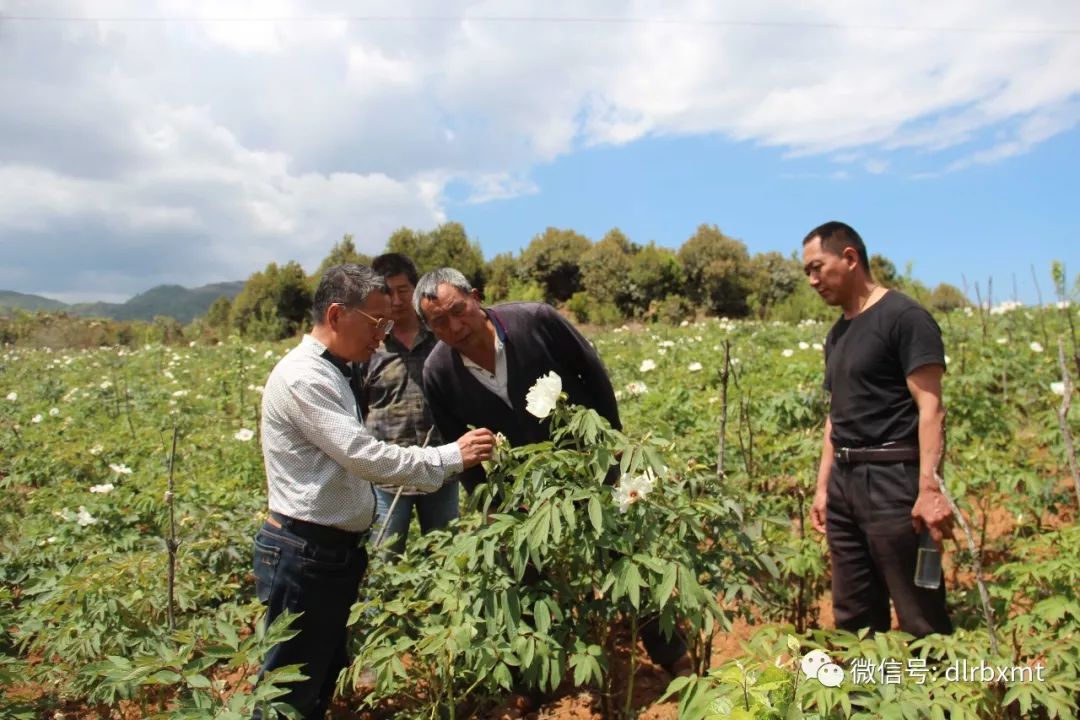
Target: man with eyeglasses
321,467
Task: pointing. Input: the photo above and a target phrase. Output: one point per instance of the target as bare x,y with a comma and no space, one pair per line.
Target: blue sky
986,221
193,141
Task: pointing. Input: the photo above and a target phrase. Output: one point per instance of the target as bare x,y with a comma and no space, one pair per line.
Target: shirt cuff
450,456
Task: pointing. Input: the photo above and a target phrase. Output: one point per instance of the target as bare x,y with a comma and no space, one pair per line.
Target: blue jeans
435,511
320,579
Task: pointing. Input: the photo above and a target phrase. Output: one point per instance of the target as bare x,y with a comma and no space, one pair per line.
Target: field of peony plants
124,467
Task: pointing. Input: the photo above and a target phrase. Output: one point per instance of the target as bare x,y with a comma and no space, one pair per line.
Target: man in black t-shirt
877,484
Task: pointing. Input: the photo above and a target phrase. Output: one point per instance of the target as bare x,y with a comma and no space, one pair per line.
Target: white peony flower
13,396
53,412
96,450
1058,388
120,468
544,395
84,518
788,352
647,365
244,435
180,393
36,418
694,367
630,490
817,346
1003,341
104,488
804,346
666,344
1036,346
633,389
105,385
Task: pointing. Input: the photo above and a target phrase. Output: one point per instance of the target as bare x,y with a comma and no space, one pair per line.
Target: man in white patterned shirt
321,463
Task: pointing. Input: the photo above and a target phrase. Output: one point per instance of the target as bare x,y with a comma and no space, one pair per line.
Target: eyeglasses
383,325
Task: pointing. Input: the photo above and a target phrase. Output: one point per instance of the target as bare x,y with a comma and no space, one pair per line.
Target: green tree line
611,280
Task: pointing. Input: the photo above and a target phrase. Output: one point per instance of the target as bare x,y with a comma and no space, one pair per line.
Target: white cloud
212,137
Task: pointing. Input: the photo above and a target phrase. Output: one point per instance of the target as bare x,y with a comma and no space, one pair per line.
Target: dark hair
347,284
836,236
391,264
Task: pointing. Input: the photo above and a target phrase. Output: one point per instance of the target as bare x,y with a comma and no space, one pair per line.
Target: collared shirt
495,382
392,394
320,459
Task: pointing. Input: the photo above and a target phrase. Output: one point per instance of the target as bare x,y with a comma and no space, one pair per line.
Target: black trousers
874,547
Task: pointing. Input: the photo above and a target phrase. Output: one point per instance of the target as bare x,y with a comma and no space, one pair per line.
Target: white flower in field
51,539
647,365
1058,388
105,385
947,360
968,311
804,346
104,488
120,468
1036,346
684,323
180,393
788,352
694,367
818,346
168,374
543,395
191,344
268,354
65,515
36,418
13,396
630,490
84,518
735,361
244,435
633,389
53,412
666,344
1002,341
96,450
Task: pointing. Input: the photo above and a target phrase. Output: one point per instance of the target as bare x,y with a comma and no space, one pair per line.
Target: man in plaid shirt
394,409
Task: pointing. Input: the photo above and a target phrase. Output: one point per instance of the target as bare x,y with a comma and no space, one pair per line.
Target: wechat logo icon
817,665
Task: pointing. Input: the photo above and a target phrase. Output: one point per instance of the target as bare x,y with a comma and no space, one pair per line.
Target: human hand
932,511
476,446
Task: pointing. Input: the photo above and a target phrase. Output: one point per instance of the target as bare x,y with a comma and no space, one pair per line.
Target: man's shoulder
898,302
440,359
525,313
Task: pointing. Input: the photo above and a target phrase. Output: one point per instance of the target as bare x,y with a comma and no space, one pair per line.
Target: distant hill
183,304
11,299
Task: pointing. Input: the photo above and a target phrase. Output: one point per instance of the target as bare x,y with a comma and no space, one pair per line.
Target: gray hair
347,284
428,286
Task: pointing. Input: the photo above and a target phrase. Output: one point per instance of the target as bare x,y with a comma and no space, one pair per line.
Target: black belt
888,453
323,534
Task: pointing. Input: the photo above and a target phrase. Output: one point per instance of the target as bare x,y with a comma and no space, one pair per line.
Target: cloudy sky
191,142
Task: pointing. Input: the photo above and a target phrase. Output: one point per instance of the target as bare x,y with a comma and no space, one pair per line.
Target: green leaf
542,615
596,515
667,584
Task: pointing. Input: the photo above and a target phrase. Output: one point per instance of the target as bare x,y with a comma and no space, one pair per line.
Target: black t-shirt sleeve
918,340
